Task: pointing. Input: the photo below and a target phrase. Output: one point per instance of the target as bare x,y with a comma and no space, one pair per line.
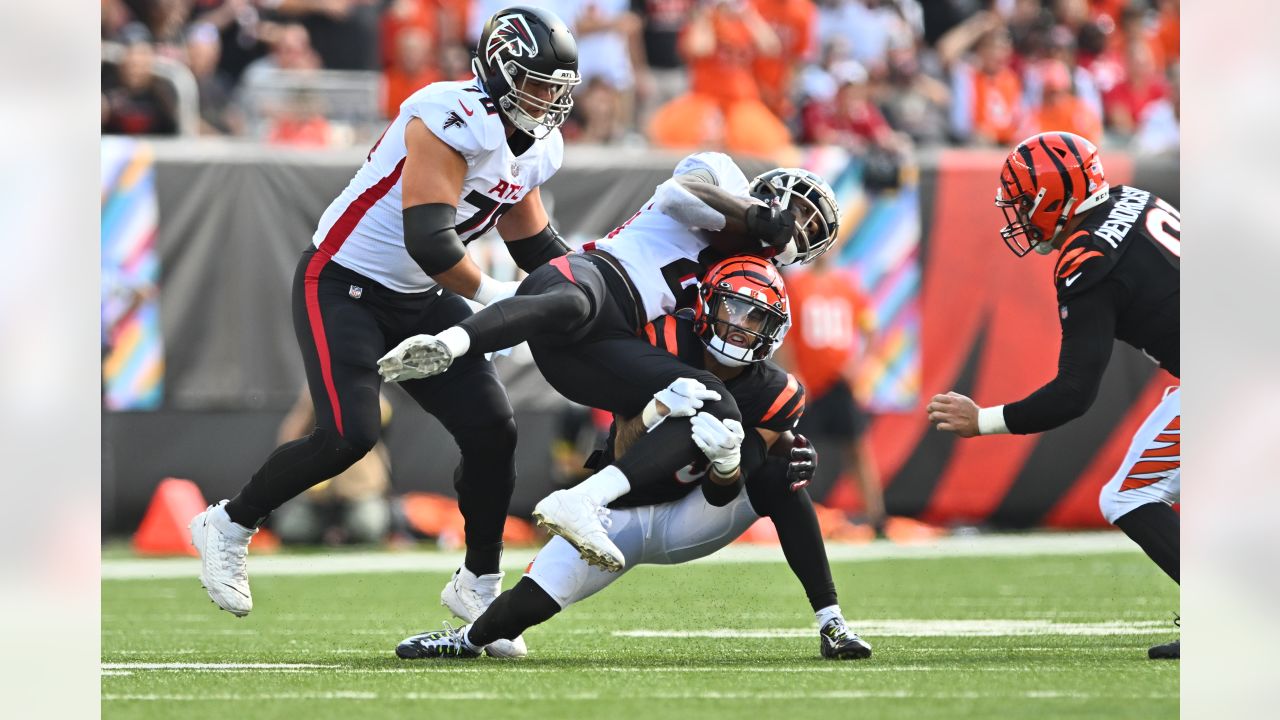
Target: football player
582,314
1116,275
388,261
740,319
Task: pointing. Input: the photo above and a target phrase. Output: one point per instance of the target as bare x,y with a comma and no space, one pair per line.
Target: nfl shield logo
515,169
355,291
1062,312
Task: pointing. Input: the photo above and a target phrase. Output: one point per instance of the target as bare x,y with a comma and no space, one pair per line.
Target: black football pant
792,513
344,322
586,345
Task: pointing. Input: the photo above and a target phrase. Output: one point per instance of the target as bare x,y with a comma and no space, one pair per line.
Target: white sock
827,614
467,641
605,486
456,339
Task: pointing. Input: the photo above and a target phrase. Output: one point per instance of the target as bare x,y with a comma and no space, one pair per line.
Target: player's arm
431,183
695,200
722,487
529,236
1088,334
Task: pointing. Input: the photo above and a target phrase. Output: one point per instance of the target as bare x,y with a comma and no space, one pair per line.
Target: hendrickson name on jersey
1123,215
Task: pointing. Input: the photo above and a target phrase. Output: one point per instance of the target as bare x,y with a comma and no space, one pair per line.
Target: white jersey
363,229
662,256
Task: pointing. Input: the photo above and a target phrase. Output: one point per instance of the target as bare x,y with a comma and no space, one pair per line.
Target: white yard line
614,697
1092,543
928,628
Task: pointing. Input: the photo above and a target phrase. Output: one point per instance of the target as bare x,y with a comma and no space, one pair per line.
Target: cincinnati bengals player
1116,276
581,315
740,319
388,261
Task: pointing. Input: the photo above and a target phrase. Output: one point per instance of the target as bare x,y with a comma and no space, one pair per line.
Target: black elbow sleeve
537,250
430,238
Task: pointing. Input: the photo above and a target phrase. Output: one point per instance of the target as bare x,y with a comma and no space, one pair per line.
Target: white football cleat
224,547
420,356
584,524
468,595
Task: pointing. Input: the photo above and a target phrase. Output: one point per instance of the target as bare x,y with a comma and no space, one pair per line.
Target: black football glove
803,463
771,224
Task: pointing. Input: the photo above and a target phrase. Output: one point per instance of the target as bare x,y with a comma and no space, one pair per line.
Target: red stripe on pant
311,287
329,247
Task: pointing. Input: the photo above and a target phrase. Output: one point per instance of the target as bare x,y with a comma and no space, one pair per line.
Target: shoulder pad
726,172
1082,263
459,114
779,404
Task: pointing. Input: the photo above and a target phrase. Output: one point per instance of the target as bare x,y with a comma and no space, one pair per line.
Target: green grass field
1045,636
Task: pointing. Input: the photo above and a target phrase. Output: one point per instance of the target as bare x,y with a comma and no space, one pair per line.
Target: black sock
513,612
1154,527
483,559
554,310
799,534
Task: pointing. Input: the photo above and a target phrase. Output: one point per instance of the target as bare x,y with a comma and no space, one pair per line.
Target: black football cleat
446,643
1167,651
840,644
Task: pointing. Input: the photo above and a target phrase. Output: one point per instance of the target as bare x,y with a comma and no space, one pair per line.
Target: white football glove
720,441
683,397
416,357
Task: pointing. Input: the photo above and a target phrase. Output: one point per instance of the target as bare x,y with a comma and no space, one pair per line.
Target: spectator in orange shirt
1060,108
722,108
793,21
986,93
411,71
831,323
1167,30
402,15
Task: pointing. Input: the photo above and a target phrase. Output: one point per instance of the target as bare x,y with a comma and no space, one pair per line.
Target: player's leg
1139,497
619,373
470,402
557,578
561,299
340,340
800,535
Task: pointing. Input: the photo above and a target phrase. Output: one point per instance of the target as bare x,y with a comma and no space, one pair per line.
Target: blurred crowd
749,76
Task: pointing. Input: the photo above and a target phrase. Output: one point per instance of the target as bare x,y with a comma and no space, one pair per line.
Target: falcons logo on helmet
513,35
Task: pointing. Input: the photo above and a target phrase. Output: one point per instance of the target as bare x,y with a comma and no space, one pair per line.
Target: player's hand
773,225
682,398
955,413
720,441
803,463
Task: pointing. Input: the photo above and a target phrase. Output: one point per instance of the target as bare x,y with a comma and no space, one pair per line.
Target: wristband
991,421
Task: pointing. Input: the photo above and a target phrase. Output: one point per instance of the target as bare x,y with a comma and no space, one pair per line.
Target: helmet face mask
527,62
1046,181
812,201
742,315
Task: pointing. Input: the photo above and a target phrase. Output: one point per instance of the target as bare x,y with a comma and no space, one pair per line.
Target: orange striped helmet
742,312
1046,180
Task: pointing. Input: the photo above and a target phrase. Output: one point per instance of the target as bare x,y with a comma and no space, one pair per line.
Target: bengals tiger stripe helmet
742,312
1048,179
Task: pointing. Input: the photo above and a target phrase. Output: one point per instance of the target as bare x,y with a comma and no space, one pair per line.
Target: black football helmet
520,46
812,201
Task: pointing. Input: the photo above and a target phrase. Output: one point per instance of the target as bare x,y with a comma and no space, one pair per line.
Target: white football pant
665,534
1152,468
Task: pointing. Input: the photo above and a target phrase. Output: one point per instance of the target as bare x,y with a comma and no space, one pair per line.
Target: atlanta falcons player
1117,279
581,315
741,313
388,261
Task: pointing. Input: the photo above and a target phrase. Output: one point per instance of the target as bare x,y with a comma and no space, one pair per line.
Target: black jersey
1117,279
767,396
